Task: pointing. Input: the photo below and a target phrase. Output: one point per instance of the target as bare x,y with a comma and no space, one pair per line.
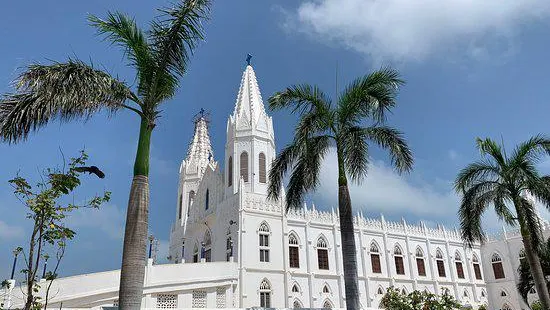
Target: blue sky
471,71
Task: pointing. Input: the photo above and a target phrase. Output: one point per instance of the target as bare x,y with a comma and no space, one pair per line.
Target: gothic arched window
190,198
295,288
440,263
380,291
180,209
322,253
498,270
458,264
196,254
297,304
326,289
207,199
420,266
327,304
265,294
207,246
230,171
244,166
398,258
375,258
293,251
261,165
264,242
477,268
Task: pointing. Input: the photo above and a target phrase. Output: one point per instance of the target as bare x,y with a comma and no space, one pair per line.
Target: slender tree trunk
347,234
135,235
536,269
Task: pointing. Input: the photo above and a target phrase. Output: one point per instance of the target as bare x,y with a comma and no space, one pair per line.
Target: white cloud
453,155
384,191
401,30
107,219
8,232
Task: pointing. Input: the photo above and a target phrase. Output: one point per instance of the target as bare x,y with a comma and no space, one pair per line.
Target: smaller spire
248,58
200,150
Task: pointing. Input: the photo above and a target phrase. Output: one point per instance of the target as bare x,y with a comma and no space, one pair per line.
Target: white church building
230,247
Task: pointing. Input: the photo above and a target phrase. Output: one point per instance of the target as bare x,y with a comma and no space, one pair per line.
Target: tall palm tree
526,282
355,119
74,89
507,183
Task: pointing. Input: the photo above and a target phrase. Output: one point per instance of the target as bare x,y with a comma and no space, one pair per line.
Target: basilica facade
232,247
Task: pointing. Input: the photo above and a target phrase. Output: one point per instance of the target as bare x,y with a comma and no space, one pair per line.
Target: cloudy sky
473,68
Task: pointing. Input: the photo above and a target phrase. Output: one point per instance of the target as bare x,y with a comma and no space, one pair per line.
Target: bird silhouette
92,169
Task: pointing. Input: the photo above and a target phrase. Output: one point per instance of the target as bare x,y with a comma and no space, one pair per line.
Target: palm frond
392,140
174,36
280,166
355,152
474,202
503,212
489,147
60,90
531,150
302,98
122,30
305,174
371,95
474,173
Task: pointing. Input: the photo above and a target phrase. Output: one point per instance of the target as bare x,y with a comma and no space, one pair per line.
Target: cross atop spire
248,58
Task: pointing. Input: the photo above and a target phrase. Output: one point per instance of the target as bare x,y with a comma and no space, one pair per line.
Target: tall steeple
250,145
200,150
249,110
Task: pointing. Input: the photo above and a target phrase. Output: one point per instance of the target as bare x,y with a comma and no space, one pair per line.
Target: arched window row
293,251
322,253
498,269
265,294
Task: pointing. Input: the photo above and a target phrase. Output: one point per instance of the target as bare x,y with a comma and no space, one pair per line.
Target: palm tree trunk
135,235
347,234
536,269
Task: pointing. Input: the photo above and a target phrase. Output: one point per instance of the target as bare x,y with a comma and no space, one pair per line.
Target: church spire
249,107
200,149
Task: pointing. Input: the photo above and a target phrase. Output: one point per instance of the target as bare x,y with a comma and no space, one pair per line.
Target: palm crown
75,89
501,180
357,118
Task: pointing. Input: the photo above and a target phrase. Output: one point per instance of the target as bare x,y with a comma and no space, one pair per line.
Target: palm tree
74,89
526,282
504,182
357,118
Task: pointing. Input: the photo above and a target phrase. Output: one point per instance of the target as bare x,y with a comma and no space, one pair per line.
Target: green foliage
349,125
536,306
482,307
47,208
504,182
397,300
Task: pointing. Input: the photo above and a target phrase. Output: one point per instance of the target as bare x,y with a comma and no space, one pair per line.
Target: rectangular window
208,255
375,263
399,267
441,268
264,255
264,240
459,270
498,270
421,267
294,257
322,258
265,300
181,207
196,258
477,271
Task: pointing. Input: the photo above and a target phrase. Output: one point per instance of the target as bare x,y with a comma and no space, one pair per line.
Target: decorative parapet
313,215
259,202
